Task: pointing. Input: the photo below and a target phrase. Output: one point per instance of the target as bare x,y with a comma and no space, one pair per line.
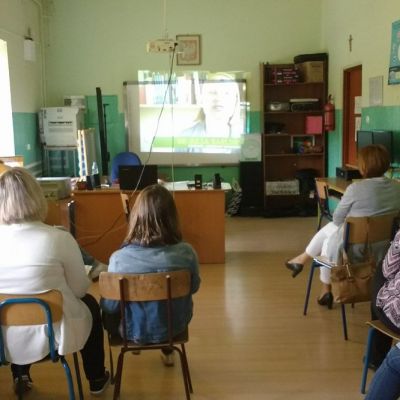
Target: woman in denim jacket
153,244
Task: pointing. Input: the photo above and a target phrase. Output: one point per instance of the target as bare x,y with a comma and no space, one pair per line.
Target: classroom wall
27,88
369,22
235,35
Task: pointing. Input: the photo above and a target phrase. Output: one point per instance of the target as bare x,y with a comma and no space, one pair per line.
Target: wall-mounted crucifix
350,43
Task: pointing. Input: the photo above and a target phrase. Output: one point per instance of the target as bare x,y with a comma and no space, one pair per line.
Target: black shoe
326,300
296,268
22,384
98,386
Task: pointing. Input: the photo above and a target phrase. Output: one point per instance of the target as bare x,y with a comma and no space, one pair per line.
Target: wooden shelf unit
282,159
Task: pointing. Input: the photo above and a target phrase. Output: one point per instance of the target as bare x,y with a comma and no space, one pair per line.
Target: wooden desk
101,224
57,212
337,184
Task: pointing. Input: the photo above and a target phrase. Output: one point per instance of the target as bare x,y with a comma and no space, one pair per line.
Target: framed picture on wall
189,51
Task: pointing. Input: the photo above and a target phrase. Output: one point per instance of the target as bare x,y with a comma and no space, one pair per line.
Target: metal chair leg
118,376
371,332
184,372
344,321
189,379
310,278
78,376
70,382
111,360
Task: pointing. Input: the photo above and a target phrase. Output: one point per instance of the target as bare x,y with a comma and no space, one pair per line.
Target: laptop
129,176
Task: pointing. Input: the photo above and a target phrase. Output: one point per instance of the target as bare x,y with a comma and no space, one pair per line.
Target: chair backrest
322,189
160,286
322,197
124,158
375,229
144,287
31,309
12,313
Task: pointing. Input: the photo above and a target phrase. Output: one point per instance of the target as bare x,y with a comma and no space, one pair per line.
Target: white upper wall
103,43
16,17
369,22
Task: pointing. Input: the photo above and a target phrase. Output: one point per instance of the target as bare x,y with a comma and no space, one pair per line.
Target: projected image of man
220,113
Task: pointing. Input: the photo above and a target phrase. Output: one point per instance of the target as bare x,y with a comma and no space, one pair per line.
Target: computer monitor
131,176
364,138
385,138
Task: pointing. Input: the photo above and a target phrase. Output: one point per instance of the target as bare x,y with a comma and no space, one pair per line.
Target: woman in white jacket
373,195
36,257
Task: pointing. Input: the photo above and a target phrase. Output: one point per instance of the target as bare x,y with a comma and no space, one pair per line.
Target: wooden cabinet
294,145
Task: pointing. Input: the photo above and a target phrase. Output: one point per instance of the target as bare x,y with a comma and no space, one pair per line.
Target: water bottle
95,168
95,175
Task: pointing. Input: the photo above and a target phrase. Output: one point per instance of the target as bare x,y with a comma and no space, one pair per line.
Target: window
6,124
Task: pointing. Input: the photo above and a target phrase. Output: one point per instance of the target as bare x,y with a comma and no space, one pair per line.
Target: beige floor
248,337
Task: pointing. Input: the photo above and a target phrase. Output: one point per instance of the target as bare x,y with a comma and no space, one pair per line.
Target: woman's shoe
296,268
326,300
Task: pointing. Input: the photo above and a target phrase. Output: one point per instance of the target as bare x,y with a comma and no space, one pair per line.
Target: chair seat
381,327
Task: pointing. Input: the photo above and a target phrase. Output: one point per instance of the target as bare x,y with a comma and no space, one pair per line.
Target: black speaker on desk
348,173
251,182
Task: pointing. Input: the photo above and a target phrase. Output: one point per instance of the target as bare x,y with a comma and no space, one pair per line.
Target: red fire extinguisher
329,115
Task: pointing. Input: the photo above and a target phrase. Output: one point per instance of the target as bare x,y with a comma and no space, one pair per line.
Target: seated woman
153,244
374,195
36,257
385,306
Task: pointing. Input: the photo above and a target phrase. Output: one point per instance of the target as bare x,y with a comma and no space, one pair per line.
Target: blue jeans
386,381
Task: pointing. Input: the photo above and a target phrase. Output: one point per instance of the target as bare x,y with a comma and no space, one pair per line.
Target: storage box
282,188
312,71
313,125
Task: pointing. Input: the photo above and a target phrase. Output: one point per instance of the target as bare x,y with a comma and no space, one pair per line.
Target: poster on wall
394,65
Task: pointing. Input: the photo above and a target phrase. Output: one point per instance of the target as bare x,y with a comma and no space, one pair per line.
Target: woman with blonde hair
153,244
36,257
373,195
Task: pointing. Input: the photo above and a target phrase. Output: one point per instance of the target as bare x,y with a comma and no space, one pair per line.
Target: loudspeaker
252,184
217,182
198,181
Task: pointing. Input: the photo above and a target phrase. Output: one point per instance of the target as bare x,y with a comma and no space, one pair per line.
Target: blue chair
39,309
381,230
374,326
124,158
323,202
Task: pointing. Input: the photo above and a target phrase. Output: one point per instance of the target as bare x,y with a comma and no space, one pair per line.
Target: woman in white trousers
373,195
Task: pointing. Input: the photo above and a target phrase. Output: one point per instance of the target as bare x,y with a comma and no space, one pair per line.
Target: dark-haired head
153,220
373,161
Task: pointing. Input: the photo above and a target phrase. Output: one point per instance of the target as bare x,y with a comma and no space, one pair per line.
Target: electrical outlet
161,46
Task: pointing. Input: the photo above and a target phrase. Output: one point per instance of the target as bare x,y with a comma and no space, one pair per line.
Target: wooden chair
38,309
163,286
380,230
375,325
323,202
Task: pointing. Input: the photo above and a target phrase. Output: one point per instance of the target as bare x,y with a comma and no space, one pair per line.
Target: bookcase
293,145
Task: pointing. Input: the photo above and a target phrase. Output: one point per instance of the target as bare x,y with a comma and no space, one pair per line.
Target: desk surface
337,184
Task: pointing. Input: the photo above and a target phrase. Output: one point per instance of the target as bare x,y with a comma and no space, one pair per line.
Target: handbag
352,281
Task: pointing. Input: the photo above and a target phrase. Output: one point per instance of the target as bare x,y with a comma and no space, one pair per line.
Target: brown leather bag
352,281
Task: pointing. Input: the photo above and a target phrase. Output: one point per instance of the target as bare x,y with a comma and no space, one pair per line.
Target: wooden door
352,89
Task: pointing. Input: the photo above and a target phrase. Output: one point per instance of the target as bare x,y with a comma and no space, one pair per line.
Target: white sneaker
96,269
168,359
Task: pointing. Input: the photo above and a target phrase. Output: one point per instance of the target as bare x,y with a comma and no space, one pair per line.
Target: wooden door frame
346,100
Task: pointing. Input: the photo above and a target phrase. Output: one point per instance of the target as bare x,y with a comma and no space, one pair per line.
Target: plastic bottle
95,168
